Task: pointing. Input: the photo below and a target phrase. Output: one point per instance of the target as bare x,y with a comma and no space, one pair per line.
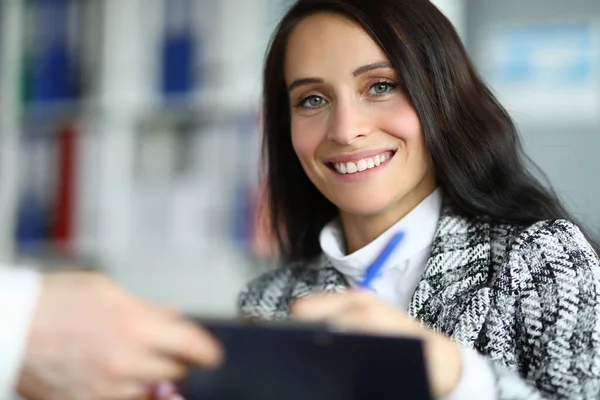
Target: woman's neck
360,230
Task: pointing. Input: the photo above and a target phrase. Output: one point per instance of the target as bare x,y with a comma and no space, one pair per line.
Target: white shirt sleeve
19,289
477,380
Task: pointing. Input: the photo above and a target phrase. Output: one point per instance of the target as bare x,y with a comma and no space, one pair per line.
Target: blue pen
375,267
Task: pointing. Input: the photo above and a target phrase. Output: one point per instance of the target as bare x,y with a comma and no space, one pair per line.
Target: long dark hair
473,142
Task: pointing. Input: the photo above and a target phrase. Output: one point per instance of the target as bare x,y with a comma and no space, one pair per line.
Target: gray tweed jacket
527,298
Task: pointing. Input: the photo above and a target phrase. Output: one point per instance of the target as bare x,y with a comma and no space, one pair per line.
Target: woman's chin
363,208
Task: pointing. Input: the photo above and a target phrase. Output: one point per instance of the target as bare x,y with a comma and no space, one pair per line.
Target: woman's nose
349,123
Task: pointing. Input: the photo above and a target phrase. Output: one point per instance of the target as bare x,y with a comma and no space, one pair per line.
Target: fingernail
164,389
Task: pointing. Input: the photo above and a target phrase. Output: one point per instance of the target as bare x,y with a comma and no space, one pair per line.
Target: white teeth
361,165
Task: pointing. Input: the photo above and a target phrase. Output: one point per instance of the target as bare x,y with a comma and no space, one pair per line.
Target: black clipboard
269,361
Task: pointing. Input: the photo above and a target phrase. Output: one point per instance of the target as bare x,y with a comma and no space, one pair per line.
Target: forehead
323,44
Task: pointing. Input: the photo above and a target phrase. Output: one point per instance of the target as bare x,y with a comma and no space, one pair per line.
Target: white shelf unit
122,111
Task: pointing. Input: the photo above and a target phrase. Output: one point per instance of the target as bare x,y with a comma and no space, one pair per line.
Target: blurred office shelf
191,113
196,114
51,115
139,173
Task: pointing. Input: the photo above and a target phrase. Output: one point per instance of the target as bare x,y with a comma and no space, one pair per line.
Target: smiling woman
376,123
351,110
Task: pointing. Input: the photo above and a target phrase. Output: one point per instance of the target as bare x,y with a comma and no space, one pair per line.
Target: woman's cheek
306,138
401,122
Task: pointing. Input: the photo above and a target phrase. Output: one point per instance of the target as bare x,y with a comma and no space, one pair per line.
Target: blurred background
130,131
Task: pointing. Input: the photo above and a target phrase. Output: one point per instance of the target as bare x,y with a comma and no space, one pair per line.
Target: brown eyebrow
358,71
303,81
370,67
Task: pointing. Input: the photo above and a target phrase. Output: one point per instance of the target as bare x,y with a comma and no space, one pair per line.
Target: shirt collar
419,226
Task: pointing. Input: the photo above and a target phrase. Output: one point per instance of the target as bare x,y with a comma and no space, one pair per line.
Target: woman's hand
361,311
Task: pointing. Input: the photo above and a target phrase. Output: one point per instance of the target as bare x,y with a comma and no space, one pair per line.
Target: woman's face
355,131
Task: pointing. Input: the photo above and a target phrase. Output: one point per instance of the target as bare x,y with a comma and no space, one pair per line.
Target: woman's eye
312,102
382,88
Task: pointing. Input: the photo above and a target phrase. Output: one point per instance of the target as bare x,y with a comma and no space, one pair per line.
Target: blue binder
178,49
51,62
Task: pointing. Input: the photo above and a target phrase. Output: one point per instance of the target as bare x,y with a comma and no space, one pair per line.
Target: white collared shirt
401,275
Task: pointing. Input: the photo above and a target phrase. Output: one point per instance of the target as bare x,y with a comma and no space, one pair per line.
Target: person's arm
555,277
18,297
89,339
477,378
477,381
